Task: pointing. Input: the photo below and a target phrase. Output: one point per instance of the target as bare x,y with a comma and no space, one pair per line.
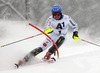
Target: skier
56,27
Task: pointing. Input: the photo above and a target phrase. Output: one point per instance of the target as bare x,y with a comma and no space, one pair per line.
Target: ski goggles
56,13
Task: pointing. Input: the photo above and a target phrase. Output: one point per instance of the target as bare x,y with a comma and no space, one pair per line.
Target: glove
49,30
75,36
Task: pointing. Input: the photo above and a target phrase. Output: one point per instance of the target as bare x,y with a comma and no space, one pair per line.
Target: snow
75,57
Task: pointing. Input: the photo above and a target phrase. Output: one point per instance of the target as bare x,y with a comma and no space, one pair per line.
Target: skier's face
57,15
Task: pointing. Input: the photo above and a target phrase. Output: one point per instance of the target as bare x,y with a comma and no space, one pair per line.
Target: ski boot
47,58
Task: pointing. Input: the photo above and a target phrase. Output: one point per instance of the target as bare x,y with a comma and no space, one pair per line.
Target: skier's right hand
49,30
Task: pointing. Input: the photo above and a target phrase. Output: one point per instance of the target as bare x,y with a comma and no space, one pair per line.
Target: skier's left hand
75,36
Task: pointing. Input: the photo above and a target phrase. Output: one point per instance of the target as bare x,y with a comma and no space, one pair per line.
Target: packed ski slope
75,57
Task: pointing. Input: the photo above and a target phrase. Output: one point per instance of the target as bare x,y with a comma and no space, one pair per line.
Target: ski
16,66
51,60
22,62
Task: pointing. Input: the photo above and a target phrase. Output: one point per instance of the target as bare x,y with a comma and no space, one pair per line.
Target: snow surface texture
75,57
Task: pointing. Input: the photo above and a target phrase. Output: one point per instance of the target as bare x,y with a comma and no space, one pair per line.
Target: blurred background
86,13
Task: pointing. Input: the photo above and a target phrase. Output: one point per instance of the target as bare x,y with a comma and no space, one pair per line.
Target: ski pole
47,36
90,42
21,40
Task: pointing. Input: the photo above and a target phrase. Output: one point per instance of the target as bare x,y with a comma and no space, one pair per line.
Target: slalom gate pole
48,37
20,40
90,42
